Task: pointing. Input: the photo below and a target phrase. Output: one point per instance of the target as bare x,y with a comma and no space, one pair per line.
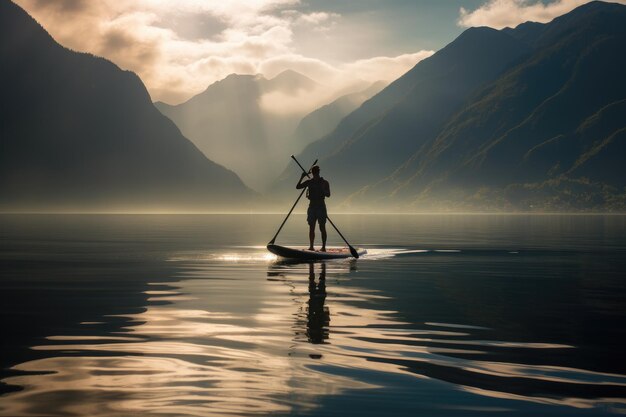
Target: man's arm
326,188
300,185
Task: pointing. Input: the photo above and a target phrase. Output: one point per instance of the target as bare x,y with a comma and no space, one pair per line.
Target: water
189,315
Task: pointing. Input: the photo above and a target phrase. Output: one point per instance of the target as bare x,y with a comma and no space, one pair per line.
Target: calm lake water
176,315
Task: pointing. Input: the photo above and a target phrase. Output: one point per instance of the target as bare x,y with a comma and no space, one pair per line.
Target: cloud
151,38
316,18
337,80
340,76
510,13
385,68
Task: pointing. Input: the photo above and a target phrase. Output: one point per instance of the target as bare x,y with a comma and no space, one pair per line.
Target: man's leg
310,219
311,235
321,218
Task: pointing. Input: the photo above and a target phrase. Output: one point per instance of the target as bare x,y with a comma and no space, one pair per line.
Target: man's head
316,171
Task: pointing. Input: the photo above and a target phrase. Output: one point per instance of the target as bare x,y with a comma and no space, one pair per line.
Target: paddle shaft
271,242
352,250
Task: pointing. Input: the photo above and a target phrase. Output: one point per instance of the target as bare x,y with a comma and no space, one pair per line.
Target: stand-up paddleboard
303,253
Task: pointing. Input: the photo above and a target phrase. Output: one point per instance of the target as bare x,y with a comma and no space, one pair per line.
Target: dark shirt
318,190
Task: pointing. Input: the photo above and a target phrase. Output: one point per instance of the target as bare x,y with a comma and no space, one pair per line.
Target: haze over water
448,315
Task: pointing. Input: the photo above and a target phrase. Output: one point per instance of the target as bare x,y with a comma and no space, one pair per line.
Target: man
318,190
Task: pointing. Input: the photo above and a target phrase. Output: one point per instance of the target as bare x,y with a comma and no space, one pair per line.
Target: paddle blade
354,252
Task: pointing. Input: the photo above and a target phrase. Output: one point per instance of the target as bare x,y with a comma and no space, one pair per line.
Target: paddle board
303,253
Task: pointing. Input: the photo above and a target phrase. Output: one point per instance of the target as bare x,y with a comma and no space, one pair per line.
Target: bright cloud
510,13
179,48
384,68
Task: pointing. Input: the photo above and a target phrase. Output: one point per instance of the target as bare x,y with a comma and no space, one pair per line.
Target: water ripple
278,342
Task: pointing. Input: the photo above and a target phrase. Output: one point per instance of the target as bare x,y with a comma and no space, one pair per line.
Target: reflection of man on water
318,316
318,190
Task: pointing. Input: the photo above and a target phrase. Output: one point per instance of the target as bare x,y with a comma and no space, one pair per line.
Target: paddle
352,250
271,242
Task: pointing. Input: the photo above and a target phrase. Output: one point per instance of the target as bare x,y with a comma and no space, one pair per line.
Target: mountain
324,120
78,133
531,117
549,133
245,122
288,82
372,141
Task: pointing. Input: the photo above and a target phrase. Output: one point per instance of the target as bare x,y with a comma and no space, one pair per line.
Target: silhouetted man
318,190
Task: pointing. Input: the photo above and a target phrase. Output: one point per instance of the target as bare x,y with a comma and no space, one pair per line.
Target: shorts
316,213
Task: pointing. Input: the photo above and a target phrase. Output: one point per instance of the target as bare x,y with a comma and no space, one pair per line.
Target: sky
179,47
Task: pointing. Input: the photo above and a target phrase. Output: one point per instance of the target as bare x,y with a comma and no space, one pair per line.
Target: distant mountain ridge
393,124
233,122
79,133
525,118
538,125
325,119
